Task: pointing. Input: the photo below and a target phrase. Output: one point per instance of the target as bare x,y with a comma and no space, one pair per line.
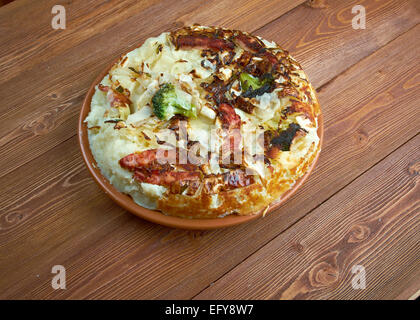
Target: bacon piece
114,97
141,159
160,177
146,158
147,169
230,119
201,41
255,46
270,57
249,43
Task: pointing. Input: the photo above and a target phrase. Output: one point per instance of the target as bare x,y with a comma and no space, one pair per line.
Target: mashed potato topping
204,93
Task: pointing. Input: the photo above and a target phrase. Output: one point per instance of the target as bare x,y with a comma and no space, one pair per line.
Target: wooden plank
122,23
374,222
45,112
85,20
111,254
239,13
412,291
324,41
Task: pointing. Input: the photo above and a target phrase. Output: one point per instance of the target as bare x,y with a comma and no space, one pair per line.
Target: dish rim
156,216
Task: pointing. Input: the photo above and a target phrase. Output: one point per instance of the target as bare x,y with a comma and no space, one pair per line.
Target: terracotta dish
128,203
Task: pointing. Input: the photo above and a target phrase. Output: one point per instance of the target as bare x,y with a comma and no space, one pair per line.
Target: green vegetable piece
168,101
253,86
248,81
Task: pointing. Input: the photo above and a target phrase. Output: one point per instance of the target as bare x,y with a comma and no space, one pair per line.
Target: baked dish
204,122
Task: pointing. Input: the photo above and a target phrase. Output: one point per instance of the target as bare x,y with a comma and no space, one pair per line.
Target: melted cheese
153,190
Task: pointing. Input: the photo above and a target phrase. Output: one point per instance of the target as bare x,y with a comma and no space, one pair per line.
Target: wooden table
360,206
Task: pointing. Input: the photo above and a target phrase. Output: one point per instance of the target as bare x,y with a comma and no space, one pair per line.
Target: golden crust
201,205
254,198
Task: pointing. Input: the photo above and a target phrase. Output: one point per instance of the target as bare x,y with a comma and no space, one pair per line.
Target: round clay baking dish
127,202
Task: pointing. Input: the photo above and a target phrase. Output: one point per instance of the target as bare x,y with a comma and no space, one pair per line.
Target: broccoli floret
248,80
252,86
169,101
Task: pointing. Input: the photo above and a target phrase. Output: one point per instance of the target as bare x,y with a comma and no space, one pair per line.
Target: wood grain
111,254
51,212
314,259
248,15
117,24
67,61
60,94
324,40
